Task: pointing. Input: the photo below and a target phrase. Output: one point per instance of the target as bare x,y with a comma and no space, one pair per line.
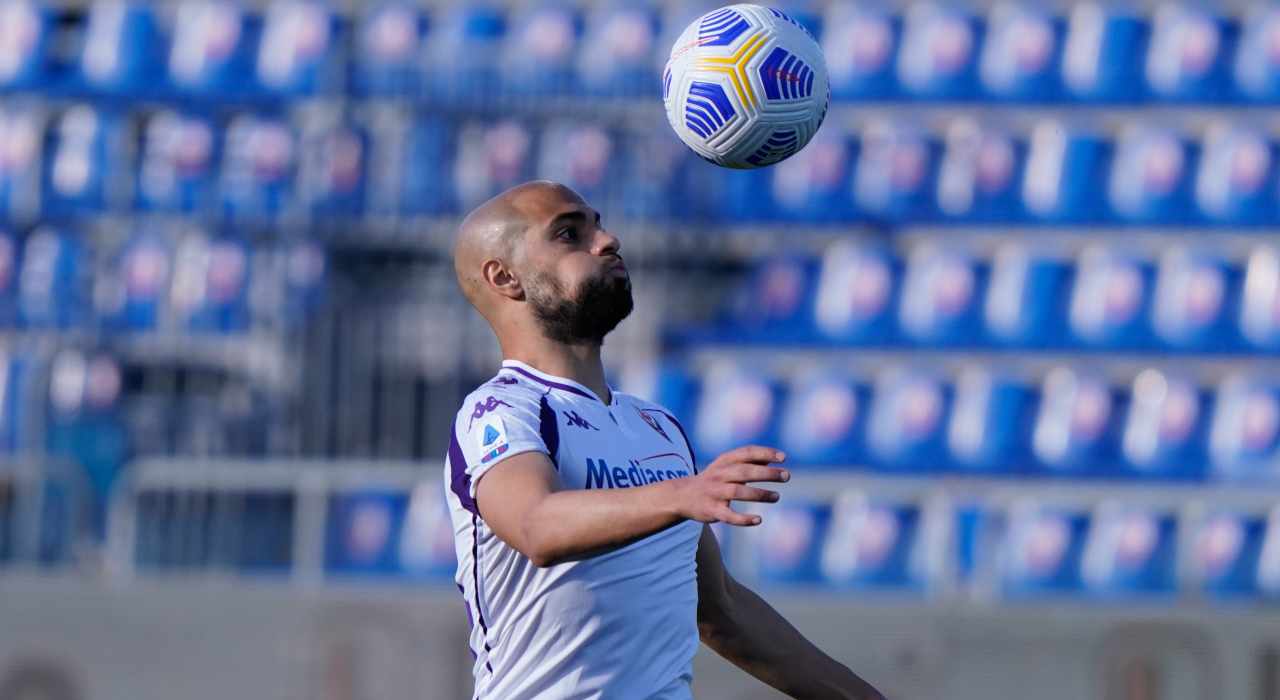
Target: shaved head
536,259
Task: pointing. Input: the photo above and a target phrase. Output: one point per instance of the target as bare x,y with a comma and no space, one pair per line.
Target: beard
597,306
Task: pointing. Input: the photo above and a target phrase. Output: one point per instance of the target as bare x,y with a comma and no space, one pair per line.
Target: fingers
751,493
753,454
730,516
743,473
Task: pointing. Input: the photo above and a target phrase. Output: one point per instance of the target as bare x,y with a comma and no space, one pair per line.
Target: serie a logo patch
493,439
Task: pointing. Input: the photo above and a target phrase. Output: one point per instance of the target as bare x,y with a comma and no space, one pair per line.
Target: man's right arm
521,500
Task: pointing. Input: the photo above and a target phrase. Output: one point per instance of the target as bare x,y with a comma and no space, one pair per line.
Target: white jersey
617,626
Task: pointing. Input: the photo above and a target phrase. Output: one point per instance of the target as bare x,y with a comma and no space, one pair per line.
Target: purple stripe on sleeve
459,480
689,445
550,431
475,578
554,385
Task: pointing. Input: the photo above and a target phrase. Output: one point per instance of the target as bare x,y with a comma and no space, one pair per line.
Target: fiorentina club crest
653,423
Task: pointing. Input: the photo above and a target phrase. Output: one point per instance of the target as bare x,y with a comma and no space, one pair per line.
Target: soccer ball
745,87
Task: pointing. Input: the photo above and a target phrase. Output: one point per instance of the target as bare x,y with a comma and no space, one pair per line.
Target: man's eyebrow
567,217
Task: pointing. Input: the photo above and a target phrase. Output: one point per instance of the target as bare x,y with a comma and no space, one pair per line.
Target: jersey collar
555,382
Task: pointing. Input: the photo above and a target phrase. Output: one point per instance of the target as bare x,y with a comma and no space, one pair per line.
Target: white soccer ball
746,86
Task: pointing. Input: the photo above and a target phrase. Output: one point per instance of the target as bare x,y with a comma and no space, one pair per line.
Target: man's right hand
706,496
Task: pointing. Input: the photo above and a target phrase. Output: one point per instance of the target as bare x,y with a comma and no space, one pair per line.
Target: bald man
580,515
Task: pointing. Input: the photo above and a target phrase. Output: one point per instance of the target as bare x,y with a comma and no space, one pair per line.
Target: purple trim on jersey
549,430
471,620
475,580
459,480
553,385
688,445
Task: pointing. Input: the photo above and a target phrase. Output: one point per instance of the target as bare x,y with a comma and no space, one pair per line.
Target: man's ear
500,279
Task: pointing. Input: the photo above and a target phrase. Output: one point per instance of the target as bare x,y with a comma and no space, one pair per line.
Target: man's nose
607,243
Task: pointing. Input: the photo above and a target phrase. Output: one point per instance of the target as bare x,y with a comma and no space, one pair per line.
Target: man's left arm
739,626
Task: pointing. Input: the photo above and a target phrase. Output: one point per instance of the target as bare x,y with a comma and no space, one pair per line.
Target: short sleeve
494,424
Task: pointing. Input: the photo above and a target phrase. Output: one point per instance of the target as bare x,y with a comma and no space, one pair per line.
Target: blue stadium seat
1236,180
735,406
1189,54
788,544
1256,68
22,136
941,302
333,173
211,284
388,533
1244,440
1076,426
1024,296
813,185
50,290
258,167
9,267
1166,427
84,419
907,428
463,51
1110,300
1129,551
389,49
870,545
301,51
143,270
1102,57
539,50
663,180
491,158
857,293
1042,550
1151,176
1194,301
411,154
771,306
979,175
583,155
1260,305
26,37
85,154
1226,550
618,50
212,50
306,268
823,420
990,416
1021,54
939,54
860,44
1064,173
894,177
123,50
178,163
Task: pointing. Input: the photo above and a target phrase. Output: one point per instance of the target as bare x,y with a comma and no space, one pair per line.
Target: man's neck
581,363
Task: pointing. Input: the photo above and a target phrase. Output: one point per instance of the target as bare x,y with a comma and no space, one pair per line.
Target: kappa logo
483,407
578,421
652,421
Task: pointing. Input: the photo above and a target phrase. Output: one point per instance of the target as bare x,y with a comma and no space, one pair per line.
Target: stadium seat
860,44
990,415
823,420
1166,427
212,50
123,50
258,167
894,177
939,54
306,268
1226,549
141,286
333,171
1151,176
301,52
870,545
178,163
771,306
1256,68
210,287
1244,439
84,420
1188,57
490,159
857,293
50,289
1076,425
26,37
1102,56
662,180
86,155
1065,169
389,45
617,51
1236,179
463,52
1129,551
539,50
1021,54
1109,302
1042,550
906,431
979,175
22,138
813,185
1191,308
941,302
1260,303
1023,303
582,156
9,267
789,542
735,406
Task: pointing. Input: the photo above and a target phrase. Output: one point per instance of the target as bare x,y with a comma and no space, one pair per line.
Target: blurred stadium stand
1014,314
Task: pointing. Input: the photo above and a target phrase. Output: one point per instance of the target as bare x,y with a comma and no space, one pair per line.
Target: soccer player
579,513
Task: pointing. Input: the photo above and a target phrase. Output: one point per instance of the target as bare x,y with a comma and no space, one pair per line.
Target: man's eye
567,234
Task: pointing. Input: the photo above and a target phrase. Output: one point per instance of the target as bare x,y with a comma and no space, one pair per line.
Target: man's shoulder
504,389
643,405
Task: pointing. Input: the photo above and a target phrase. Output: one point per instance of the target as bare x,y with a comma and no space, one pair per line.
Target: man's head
538,252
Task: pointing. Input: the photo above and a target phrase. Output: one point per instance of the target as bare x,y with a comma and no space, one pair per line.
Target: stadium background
1014,314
